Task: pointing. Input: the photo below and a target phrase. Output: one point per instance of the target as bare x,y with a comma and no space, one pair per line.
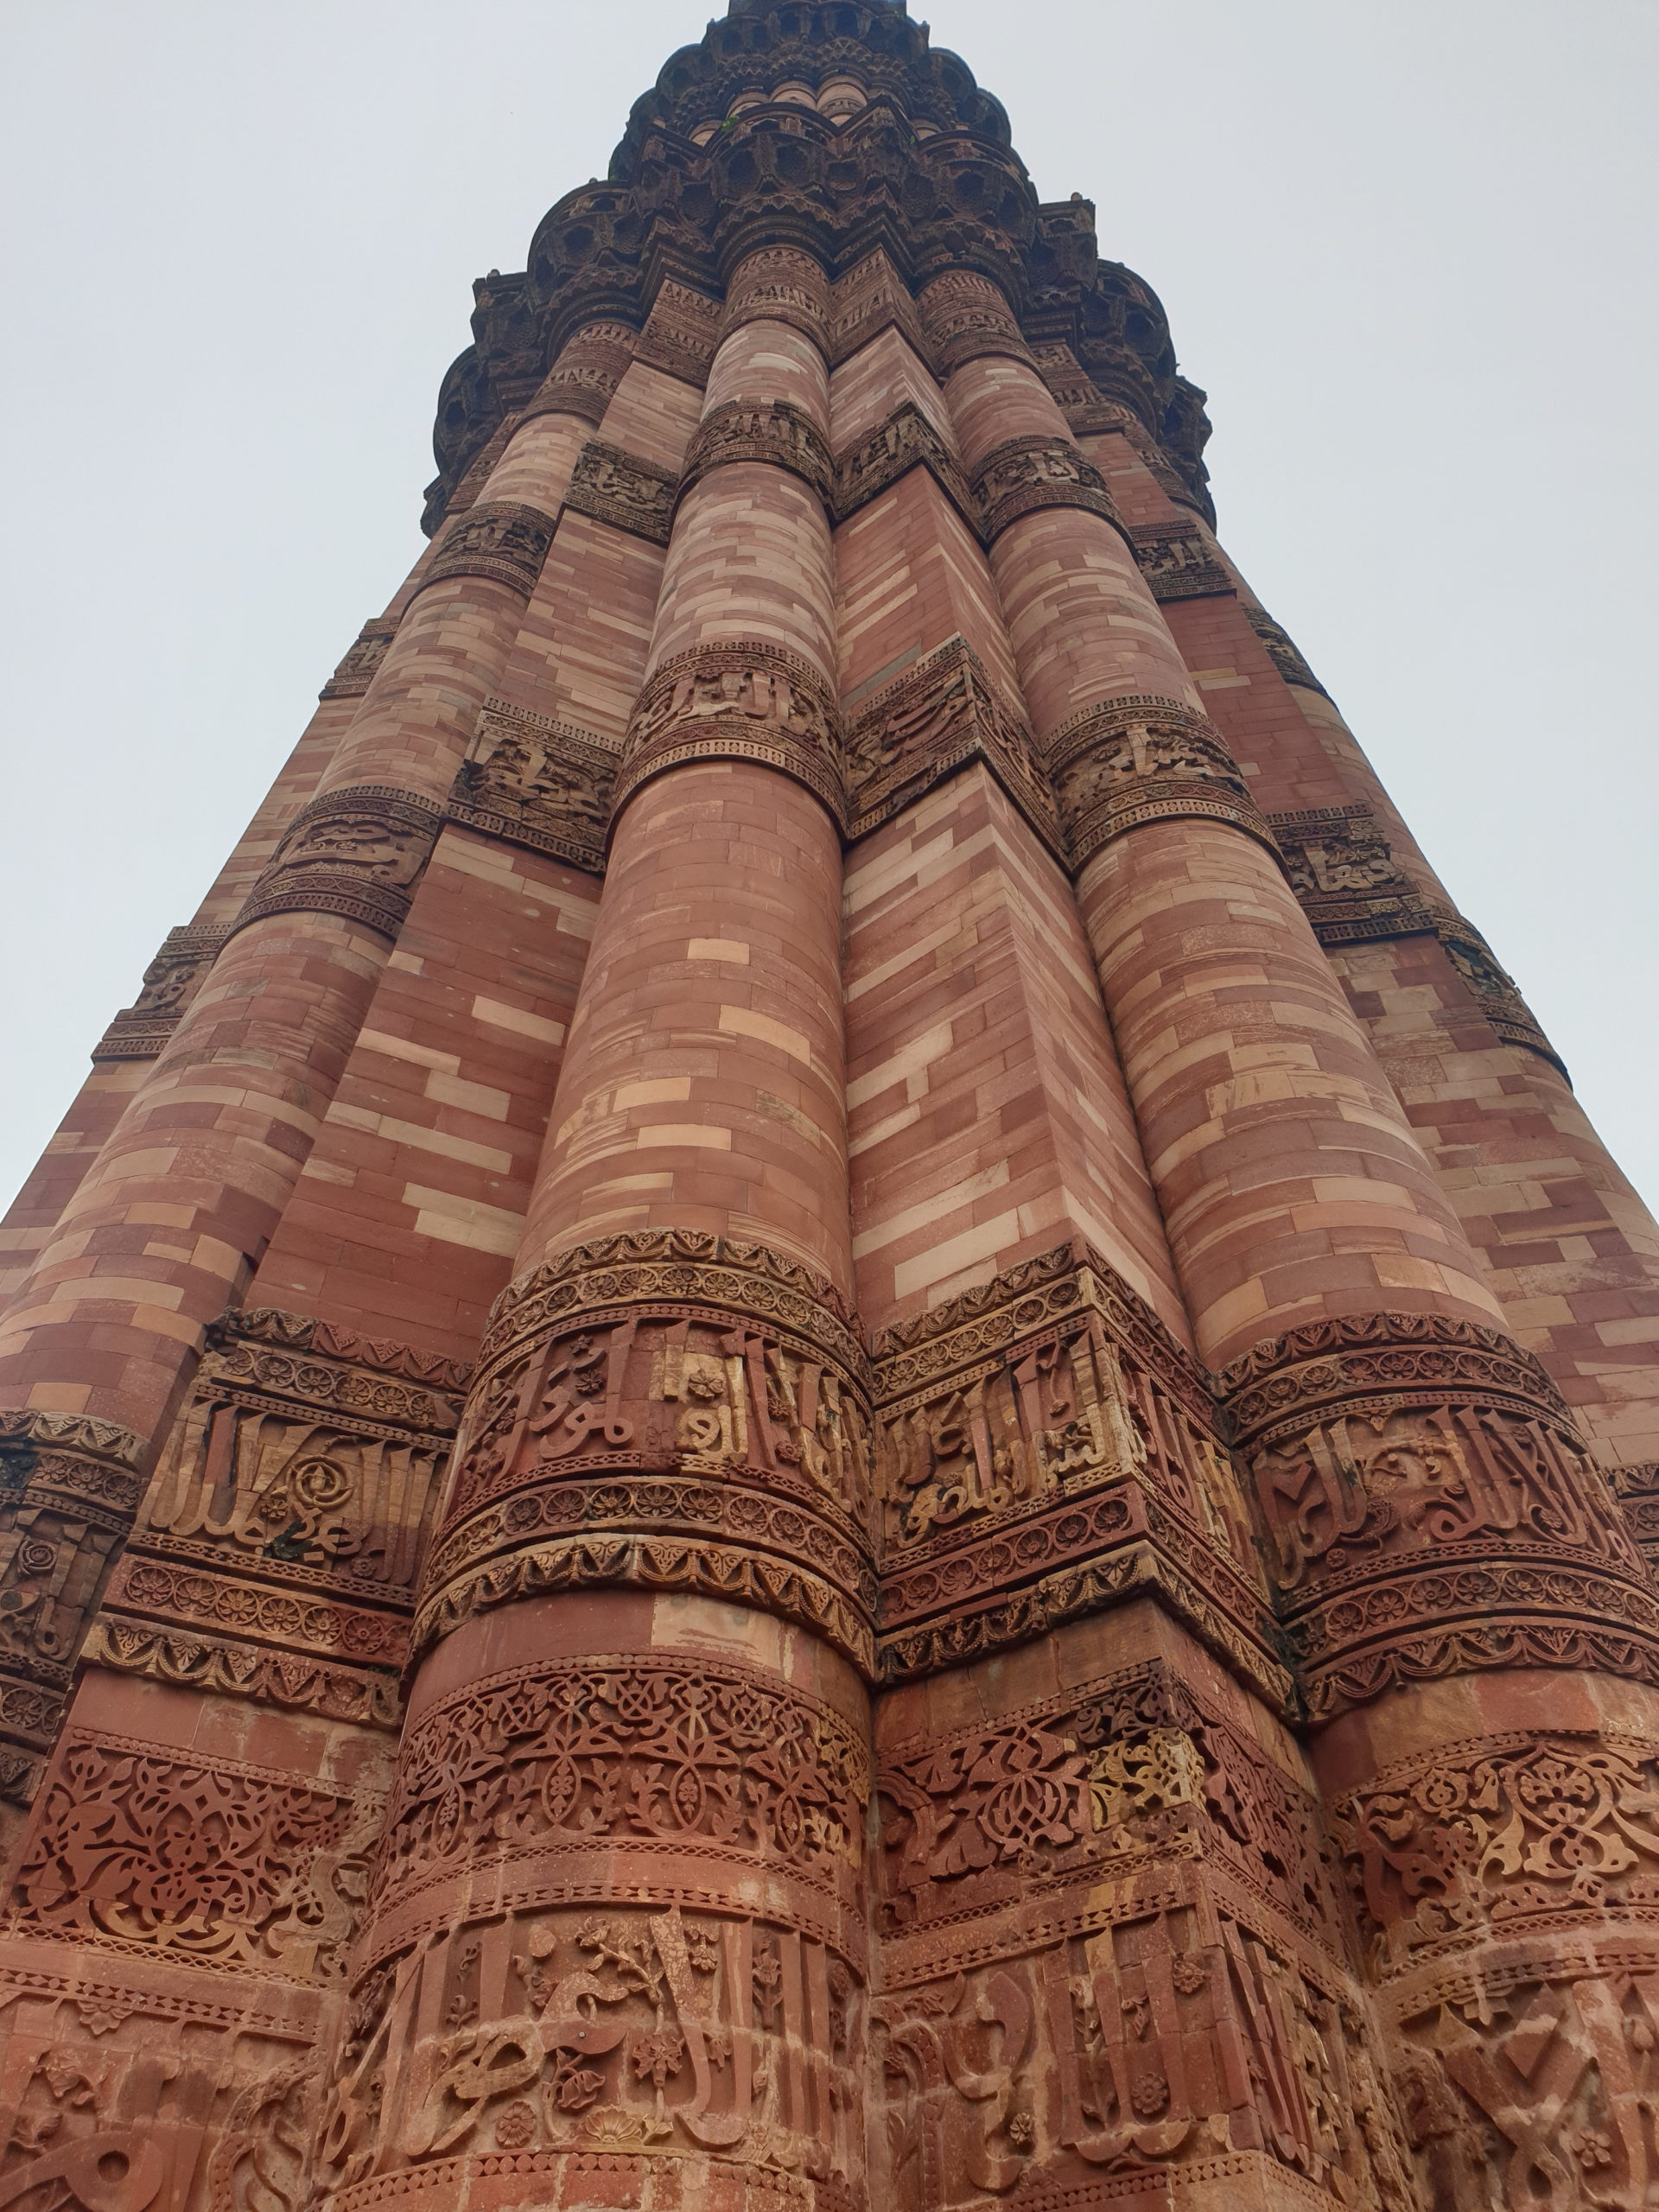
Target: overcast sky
1407,245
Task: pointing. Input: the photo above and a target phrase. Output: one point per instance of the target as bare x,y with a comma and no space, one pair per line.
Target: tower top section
835,128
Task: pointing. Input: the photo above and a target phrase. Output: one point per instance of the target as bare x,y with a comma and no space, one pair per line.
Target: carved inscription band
499,539
144,1030
357,852
1140,760
673,1411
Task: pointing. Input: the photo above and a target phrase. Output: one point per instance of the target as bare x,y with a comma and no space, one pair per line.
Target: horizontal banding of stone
501,540
357,852
1142,759
774,430
742,701
1028,473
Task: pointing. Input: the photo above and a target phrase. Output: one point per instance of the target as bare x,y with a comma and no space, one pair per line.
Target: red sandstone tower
827,1406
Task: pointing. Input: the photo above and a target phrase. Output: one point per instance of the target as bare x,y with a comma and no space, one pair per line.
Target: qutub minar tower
827,1406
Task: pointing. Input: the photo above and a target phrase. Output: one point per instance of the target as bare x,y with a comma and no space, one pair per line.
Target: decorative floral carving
1139,759
1504,1835
144,1030
357,852
500,539
560,1757
536,782
941,713
234,1865
616,487
1028,473
751,702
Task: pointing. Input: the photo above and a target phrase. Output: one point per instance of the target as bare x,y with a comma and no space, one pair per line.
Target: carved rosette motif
277,1552
615,487
1026,473
779,284
1139,759
941,713
774,430
1044,1449
361,665
69,1488
1125,1891
144,1030
1346,880
536,782
965,315
672,1411
500,539
583,380
358,852
744,701
1178,564
905,441
1431,1511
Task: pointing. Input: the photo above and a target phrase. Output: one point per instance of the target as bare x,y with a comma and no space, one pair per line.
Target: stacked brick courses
769,1439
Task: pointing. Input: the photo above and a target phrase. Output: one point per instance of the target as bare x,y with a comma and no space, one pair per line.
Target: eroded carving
616,487
1028,473
536,782
1178,564
774,430
941,713
357,852
747,701
362,662
500,539
1134,761
144,1030
1281,652
1346,880
906,440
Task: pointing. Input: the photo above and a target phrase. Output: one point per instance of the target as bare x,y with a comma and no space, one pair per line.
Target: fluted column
164,1231
1436,1527
649,1601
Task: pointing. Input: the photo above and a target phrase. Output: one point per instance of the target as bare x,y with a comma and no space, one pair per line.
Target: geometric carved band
144,1030
503,540
1140,760
355,852
765,430
69,1488
1029,473
671,1410
1430,1509
737,700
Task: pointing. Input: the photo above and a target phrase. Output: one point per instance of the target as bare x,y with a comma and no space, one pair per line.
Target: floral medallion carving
358,852
536,782
742,701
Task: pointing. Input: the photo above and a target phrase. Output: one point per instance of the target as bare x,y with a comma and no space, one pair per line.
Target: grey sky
1406,246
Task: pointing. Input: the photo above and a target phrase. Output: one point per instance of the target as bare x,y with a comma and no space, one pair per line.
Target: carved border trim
904,441
615,486
489,804
406,822
775,431
361,663
139,1032
227,1667
1200,578
1025,474
1210,787
502,540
